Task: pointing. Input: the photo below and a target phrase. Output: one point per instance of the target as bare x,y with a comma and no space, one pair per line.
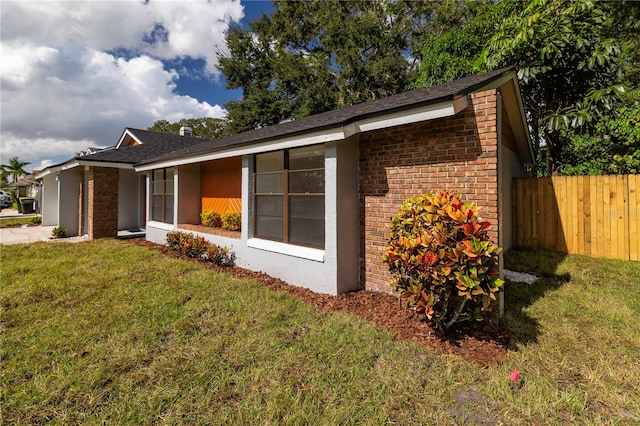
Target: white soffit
424,113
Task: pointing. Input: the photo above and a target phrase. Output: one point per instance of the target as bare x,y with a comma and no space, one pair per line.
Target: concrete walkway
29,234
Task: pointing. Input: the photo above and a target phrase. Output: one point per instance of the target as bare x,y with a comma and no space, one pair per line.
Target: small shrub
441,258
59,232
211,218
173,239
199,248
220,256
37,220
232,221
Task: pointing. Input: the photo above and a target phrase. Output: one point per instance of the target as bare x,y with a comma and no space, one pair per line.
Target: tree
568,65
206,127
614,146
458,52
313,56
15,168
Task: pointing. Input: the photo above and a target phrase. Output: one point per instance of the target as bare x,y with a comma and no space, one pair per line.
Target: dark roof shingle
153,145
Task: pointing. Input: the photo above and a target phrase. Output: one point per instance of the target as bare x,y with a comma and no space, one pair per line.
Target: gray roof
341,117
153,145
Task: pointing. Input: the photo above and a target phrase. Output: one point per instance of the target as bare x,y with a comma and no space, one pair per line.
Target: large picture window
289,196
162,196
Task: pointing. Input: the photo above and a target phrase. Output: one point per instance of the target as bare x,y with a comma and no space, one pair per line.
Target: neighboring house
98,192
26,185
316,194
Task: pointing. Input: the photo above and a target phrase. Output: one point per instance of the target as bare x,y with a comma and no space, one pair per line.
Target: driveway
28,234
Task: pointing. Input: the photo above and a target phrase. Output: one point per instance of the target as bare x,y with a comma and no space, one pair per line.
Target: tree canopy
14,168
574,59
206,127
313,56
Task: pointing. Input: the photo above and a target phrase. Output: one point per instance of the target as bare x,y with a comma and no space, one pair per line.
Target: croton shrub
198,247
442,260
231,221
211,218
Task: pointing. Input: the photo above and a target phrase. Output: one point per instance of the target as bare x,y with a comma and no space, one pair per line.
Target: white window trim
287,249
160,225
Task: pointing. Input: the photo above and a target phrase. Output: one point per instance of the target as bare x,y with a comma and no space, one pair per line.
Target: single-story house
316,194
98,192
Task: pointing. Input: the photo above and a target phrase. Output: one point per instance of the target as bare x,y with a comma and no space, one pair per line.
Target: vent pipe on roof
186,131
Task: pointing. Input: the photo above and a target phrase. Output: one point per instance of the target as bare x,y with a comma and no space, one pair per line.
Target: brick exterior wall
103,202
456,153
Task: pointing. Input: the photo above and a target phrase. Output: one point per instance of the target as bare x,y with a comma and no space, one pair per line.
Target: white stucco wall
49,207
68,199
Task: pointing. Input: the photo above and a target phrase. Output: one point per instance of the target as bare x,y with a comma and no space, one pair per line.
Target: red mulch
483,343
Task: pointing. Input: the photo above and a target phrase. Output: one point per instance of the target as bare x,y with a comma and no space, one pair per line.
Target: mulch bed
483,343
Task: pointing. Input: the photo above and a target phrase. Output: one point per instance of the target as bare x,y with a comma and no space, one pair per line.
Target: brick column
455,153
103,202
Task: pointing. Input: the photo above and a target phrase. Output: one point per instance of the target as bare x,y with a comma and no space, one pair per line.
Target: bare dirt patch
484,343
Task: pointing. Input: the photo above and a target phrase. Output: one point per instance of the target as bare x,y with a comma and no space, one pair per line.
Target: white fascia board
47,172
104,164
291,142
416,115
424,113
127,132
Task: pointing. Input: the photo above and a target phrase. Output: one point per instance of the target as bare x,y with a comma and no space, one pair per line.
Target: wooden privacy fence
590,215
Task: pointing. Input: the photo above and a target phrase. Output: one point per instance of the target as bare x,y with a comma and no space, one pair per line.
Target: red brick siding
103,202
457,153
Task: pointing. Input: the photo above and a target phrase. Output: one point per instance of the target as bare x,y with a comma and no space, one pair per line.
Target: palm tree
15,168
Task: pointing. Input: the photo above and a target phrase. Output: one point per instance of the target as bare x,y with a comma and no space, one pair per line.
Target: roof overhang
512,100
407,116
79,163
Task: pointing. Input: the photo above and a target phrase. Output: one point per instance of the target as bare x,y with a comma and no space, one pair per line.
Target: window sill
287,249
160,225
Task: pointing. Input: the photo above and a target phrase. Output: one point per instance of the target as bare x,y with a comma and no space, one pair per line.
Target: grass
17,221
108,332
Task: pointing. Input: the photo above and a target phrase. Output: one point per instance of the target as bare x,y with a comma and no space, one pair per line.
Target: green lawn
6,222
109,332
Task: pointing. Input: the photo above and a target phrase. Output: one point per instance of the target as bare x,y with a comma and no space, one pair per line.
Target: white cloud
74,74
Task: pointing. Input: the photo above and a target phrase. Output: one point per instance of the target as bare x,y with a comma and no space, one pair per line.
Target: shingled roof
153,145
341,117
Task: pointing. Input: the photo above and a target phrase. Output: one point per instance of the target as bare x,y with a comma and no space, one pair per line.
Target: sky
74,74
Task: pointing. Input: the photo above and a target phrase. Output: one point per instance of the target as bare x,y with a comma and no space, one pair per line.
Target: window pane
158,175
270,162
309,157
169,175
156,208
306,207
269,183
168,187
306,231
269,205
168,209
269,227
310,181
158,187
